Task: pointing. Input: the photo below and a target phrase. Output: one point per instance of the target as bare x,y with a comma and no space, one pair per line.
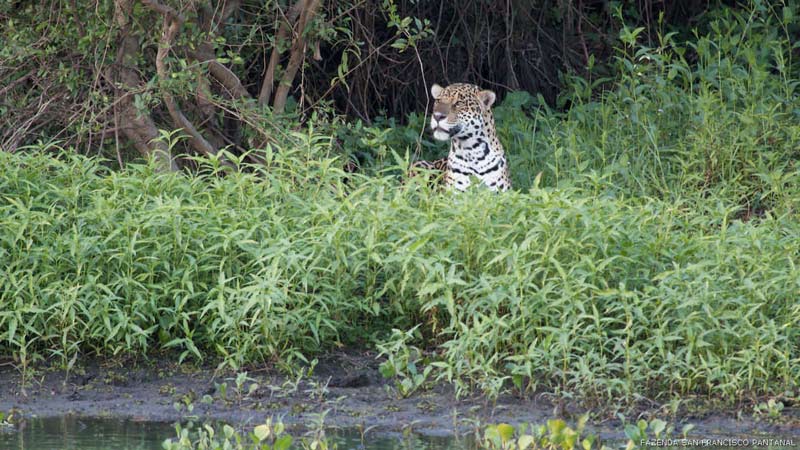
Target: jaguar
462,114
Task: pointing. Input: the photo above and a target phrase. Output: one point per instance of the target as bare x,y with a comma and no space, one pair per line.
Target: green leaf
283,443
658,426
556,426
632,432
525,441
228,431
387,369
505,431
492,435
400,44
262,432
517,380
570,438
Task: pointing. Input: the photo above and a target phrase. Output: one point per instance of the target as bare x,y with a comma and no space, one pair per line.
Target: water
81,433
74,433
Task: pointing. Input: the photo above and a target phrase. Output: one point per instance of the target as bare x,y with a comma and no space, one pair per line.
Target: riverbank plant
270,435
649,250
554,288
555,434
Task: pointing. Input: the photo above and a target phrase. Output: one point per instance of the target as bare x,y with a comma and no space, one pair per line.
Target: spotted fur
462,114
436,169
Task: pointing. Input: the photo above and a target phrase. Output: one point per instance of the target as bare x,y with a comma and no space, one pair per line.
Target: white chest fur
474,156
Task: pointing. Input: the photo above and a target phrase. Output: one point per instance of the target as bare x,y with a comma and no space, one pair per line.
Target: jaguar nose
439,115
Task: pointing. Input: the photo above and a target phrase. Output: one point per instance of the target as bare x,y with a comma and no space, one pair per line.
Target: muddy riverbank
344,390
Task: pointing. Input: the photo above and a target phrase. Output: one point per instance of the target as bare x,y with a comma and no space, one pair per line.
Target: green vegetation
656,255
232,73
556,434
267,436
554,288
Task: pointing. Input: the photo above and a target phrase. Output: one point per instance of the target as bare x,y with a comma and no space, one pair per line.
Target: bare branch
205,51
296,56
228,79
166,10
283,33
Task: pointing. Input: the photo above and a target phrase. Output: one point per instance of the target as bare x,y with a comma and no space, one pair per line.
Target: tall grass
553,289
657,255
711,114
715,116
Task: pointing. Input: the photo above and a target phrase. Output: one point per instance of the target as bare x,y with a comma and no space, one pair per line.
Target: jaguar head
459,109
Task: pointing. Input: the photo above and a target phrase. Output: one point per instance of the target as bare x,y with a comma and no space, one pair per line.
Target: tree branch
296,58
165,10
172,23
283,33
205,51
140,128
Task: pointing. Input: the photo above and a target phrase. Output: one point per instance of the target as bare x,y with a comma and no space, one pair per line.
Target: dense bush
717,116
657,253
555,287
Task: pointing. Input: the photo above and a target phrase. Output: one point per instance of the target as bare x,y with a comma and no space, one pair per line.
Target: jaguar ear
487,98
436,91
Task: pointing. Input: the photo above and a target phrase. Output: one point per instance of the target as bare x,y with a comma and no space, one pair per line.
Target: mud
344,390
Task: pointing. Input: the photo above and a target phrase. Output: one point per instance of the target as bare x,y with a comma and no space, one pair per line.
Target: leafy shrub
656,255
714,116
555,287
